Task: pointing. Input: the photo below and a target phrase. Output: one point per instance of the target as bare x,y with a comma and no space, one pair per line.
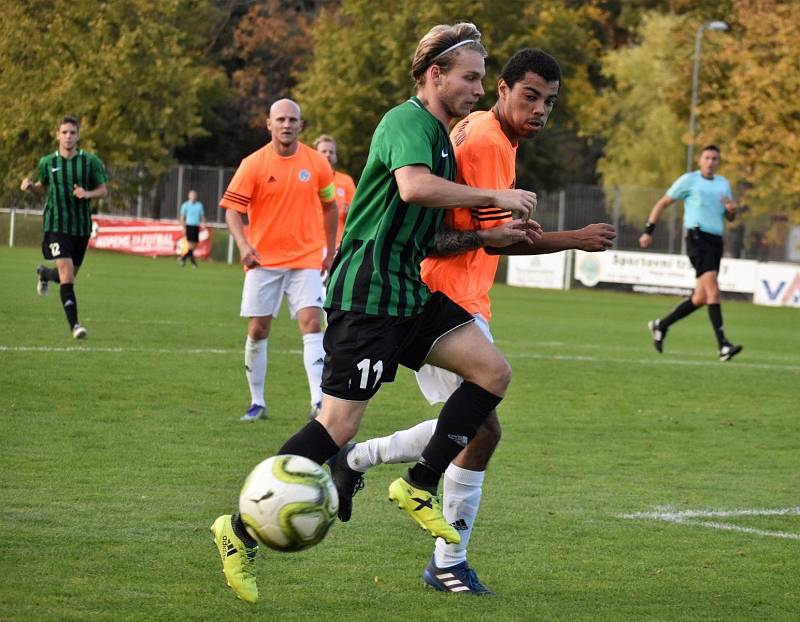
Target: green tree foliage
637,115
752,108
362,57
132,72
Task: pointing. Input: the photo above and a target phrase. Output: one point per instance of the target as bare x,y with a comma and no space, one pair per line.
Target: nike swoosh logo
54,170
444,153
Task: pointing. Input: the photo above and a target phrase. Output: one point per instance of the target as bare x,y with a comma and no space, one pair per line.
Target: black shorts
57,245
192,233
704,251
363,351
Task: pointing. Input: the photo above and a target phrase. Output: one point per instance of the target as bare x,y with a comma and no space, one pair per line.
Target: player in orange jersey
486,144
286,189
345,187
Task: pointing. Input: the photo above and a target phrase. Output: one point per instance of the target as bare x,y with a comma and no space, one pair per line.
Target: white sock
255,368
461,498
313,359
402,446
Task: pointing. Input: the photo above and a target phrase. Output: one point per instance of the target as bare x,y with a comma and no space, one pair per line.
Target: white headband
453,47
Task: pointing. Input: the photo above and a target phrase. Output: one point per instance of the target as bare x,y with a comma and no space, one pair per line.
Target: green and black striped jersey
377,268
63,211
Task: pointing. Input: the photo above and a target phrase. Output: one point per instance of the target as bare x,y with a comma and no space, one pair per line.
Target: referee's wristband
649,228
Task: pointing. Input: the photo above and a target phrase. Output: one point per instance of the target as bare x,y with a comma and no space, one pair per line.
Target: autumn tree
132,72
361,68
637,115
753,108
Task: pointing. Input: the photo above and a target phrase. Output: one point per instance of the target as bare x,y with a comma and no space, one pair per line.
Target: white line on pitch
647,361
758,532
689,517
669,514
511,355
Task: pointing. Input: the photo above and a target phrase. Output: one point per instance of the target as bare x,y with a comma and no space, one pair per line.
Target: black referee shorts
704,251
57,245
363,351
192,233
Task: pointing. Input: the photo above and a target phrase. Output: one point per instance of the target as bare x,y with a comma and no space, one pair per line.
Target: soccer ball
288,503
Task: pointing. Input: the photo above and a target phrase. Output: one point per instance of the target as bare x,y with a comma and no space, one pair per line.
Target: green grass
118,452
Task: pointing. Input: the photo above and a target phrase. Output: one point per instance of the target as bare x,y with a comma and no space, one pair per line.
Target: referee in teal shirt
192,218
706,200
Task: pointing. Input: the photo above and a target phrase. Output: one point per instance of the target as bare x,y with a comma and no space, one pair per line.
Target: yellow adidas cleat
237,559
424,508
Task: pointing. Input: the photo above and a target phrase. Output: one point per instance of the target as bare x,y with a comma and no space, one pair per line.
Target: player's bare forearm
591,238
330,219
236,227
662,204
28,185
416,184
449,241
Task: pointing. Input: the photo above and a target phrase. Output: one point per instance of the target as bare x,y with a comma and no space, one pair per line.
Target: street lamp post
695,77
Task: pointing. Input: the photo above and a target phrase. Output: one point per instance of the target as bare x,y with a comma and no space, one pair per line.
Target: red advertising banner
144,237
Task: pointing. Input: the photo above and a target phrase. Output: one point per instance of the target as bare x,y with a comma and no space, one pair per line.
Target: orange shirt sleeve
324,175
241,188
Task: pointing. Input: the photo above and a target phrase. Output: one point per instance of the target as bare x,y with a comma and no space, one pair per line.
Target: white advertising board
778,285
655,269
545,271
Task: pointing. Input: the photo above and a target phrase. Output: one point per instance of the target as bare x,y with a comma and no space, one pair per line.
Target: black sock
681,311
51,274
715,315
191,257
312,442
461,416
241,531
70,303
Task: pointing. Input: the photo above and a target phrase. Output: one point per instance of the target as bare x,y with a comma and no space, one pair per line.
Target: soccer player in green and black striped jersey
70,178
380,314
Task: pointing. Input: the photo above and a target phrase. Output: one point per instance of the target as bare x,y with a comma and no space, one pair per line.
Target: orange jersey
486,159
345,191
282,197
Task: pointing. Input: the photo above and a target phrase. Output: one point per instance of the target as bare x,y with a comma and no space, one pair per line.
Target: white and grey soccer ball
288,503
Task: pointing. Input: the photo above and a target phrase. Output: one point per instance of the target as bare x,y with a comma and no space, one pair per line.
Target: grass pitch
627,486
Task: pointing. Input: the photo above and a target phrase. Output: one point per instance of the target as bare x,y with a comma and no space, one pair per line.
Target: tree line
191,81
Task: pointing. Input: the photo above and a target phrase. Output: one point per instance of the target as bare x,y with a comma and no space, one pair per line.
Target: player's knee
499,376
257,330
310,327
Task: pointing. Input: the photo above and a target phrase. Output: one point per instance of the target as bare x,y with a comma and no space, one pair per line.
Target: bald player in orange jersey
464,269
286,189
344,184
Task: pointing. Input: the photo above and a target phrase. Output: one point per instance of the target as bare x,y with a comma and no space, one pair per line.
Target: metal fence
571,208
164,198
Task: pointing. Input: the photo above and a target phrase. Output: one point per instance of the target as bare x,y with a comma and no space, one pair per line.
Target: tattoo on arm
448,241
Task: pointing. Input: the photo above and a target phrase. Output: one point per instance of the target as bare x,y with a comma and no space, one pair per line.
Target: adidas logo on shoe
230,549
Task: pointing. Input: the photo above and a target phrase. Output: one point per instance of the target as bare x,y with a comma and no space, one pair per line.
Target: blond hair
440,47
323,138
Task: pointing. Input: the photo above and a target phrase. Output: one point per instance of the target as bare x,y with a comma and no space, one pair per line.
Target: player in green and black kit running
380,313
70,177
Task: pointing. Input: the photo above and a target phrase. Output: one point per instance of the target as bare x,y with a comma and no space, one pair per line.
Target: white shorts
438,384
264,289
